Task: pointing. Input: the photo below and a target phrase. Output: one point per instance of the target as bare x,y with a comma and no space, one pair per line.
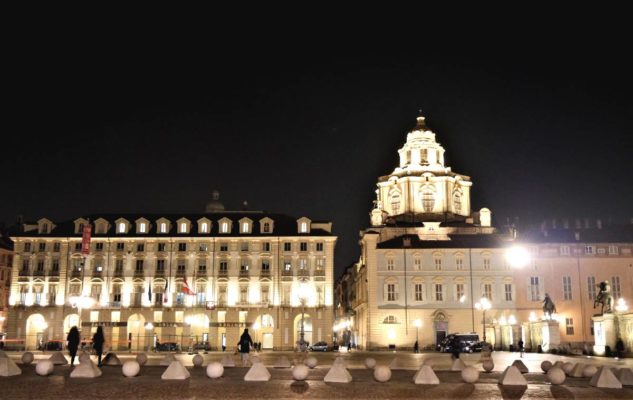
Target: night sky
543,127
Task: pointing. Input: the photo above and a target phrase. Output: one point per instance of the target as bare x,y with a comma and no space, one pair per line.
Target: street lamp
417,323
621,306
303,297
517,256
483,304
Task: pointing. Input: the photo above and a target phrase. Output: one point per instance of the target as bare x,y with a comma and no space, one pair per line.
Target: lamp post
303,287
149,326
483,304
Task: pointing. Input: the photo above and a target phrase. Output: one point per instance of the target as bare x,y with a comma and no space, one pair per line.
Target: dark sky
542,125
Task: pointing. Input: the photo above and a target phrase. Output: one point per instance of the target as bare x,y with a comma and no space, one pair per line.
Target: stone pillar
545,333
604,333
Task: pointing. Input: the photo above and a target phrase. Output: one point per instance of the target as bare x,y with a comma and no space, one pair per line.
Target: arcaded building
185,278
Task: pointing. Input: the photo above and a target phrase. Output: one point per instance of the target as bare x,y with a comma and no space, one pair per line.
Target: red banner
85,239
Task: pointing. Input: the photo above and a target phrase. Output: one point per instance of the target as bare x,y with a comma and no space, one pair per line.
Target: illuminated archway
35,327
198,328
136,327
263,330
70,321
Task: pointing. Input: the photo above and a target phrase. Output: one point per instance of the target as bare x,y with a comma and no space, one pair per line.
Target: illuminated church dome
422,187
215,205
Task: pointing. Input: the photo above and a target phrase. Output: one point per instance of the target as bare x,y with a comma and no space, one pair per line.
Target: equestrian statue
604,298
548,306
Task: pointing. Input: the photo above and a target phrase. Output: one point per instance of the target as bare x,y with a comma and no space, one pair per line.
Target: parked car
463,342
202,346
168,346
319,346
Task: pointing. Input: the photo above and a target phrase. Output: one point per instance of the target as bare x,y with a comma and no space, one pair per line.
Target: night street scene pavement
148,384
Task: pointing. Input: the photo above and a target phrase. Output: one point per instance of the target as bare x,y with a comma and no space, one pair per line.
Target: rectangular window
244,265
287,246
78,246
438,264
182,246
140,247
139,265
99,246
55,266
266,246
459,291
119,266
390,264
181,266
27,247
589,250
303,246
203,247
40,266
459,264
417,263
320,263
391,292
56,247
418,292
591,287
202,266
534,288
224,247
224,266
613,250
265,265
303,263
564,250
42,247
244,246
508,291
161,246
439,292
160,266
566,287
120,246
486,264
615,288
569,326
287,266
319,246
488,291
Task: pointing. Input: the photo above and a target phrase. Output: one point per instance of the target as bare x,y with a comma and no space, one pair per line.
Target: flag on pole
149,293
165,294
85,239
185,287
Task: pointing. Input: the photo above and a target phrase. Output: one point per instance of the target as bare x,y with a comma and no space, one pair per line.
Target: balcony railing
286,273
53,273
160,272
244,273
223,272
118,273
319,272
39,273
181,272
75,273
139,273
97,274
265,273
303,272
24,272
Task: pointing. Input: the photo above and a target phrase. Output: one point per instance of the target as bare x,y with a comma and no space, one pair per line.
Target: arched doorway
307,328
35,327
70,321
136,332
198,330
440,326
263,330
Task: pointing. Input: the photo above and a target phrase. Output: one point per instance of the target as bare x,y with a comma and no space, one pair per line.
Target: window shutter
396,290
384,292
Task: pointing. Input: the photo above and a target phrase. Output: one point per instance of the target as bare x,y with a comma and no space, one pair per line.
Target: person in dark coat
73,343
245,344
97,343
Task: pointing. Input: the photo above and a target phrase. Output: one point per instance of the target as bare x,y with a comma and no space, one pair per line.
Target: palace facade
197,280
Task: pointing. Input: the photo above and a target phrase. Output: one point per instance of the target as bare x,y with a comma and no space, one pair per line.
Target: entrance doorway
267,341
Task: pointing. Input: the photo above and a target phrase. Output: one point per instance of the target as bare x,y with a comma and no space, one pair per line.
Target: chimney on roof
599,223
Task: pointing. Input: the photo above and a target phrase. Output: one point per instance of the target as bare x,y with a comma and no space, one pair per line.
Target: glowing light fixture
621,306
517,256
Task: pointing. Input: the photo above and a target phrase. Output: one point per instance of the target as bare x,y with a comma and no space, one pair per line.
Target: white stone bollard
44,367
131,368
567,368
488,365
546,365
141,358
470,375
556,376
300,372
311,362
215,370
589,371
370,363
382,373
197,360
27,358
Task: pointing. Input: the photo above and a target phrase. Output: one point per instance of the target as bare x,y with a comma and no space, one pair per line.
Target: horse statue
604,298
548,306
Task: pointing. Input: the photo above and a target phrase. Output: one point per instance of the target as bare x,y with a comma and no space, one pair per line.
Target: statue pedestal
604,333
545,333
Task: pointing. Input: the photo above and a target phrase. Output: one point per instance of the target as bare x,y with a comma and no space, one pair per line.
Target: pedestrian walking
416,348
521,347
97,343
245,344
73,343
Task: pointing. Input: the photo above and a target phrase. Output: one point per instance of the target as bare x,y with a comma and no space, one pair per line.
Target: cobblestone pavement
113,385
